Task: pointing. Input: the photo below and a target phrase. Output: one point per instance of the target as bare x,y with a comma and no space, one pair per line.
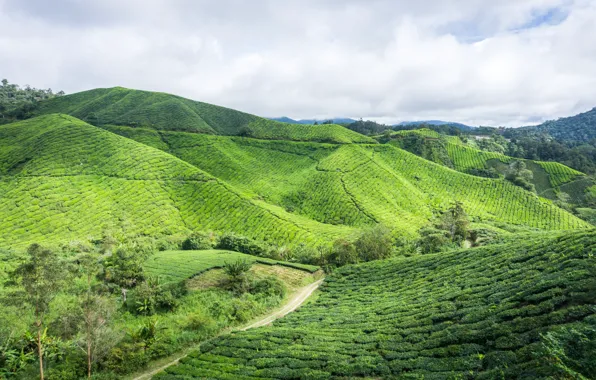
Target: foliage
154,110
42,277
200,240
570,351
475,313
520,176
375,243
18,103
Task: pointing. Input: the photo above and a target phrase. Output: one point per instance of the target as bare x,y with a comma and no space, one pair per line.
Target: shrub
270,287
199,321
342,253
375,243
242,244
199,240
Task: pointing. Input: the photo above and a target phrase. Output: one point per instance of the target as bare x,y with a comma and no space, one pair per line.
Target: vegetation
181,265
483,313
64,315
155,110
164,222
18,103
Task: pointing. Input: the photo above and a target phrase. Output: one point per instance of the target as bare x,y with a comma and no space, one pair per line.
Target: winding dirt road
298,299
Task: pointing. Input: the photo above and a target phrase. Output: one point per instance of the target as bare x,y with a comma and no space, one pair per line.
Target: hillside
353,184
519,310
156,110
62,179
549,178
580,128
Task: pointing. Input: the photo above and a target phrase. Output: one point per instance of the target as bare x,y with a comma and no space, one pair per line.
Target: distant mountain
337,120
435,122
574,129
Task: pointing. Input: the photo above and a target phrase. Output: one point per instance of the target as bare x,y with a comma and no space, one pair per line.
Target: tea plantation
62,179
122,106
548,177
181,265
483,313
356,184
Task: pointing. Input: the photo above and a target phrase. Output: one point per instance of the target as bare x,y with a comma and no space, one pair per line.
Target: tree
96,312
125,268
375,243
342,253
519,175
42,277
455,221
237,279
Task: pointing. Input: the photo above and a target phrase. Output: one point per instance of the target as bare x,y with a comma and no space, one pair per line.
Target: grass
182,265
160,111
477,313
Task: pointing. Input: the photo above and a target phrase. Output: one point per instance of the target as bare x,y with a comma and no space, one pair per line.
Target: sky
479,62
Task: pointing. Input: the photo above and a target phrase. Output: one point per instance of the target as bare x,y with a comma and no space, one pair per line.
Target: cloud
507,63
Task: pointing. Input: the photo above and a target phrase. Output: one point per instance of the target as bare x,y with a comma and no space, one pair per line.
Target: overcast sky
506,62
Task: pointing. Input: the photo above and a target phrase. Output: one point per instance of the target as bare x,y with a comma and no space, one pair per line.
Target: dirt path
297,299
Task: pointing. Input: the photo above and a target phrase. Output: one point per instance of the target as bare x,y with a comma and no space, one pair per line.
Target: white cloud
379,59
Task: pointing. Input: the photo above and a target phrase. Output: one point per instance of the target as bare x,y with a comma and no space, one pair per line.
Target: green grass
182,265
160,111
476,314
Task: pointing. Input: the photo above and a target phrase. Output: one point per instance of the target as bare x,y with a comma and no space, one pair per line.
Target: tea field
358,185
481,313
160,111
62,179
173,266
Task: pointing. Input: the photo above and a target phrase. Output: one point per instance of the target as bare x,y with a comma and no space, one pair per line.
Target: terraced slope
62,179
160,111
548,176
476,314
354,184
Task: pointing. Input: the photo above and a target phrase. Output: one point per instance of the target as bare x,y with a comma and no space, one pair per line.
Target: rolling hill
62,179
353,184
156,110
277,182
523,309
549,178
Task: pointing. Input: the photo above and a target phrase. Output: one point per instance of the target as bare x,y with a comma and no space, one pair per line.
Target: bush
432,240
269,287
342,253
242,244
375,243
199,240
198,321
151,297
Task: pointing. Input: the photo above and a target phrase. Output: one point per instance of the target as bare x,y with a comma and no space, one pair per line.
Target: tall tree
96,311
42,277
455,221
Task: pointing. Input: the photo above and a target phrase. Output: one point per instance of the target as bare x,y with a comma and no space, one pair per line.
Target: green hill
160,111
518,310
451,151
353,184
62,179
580,128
